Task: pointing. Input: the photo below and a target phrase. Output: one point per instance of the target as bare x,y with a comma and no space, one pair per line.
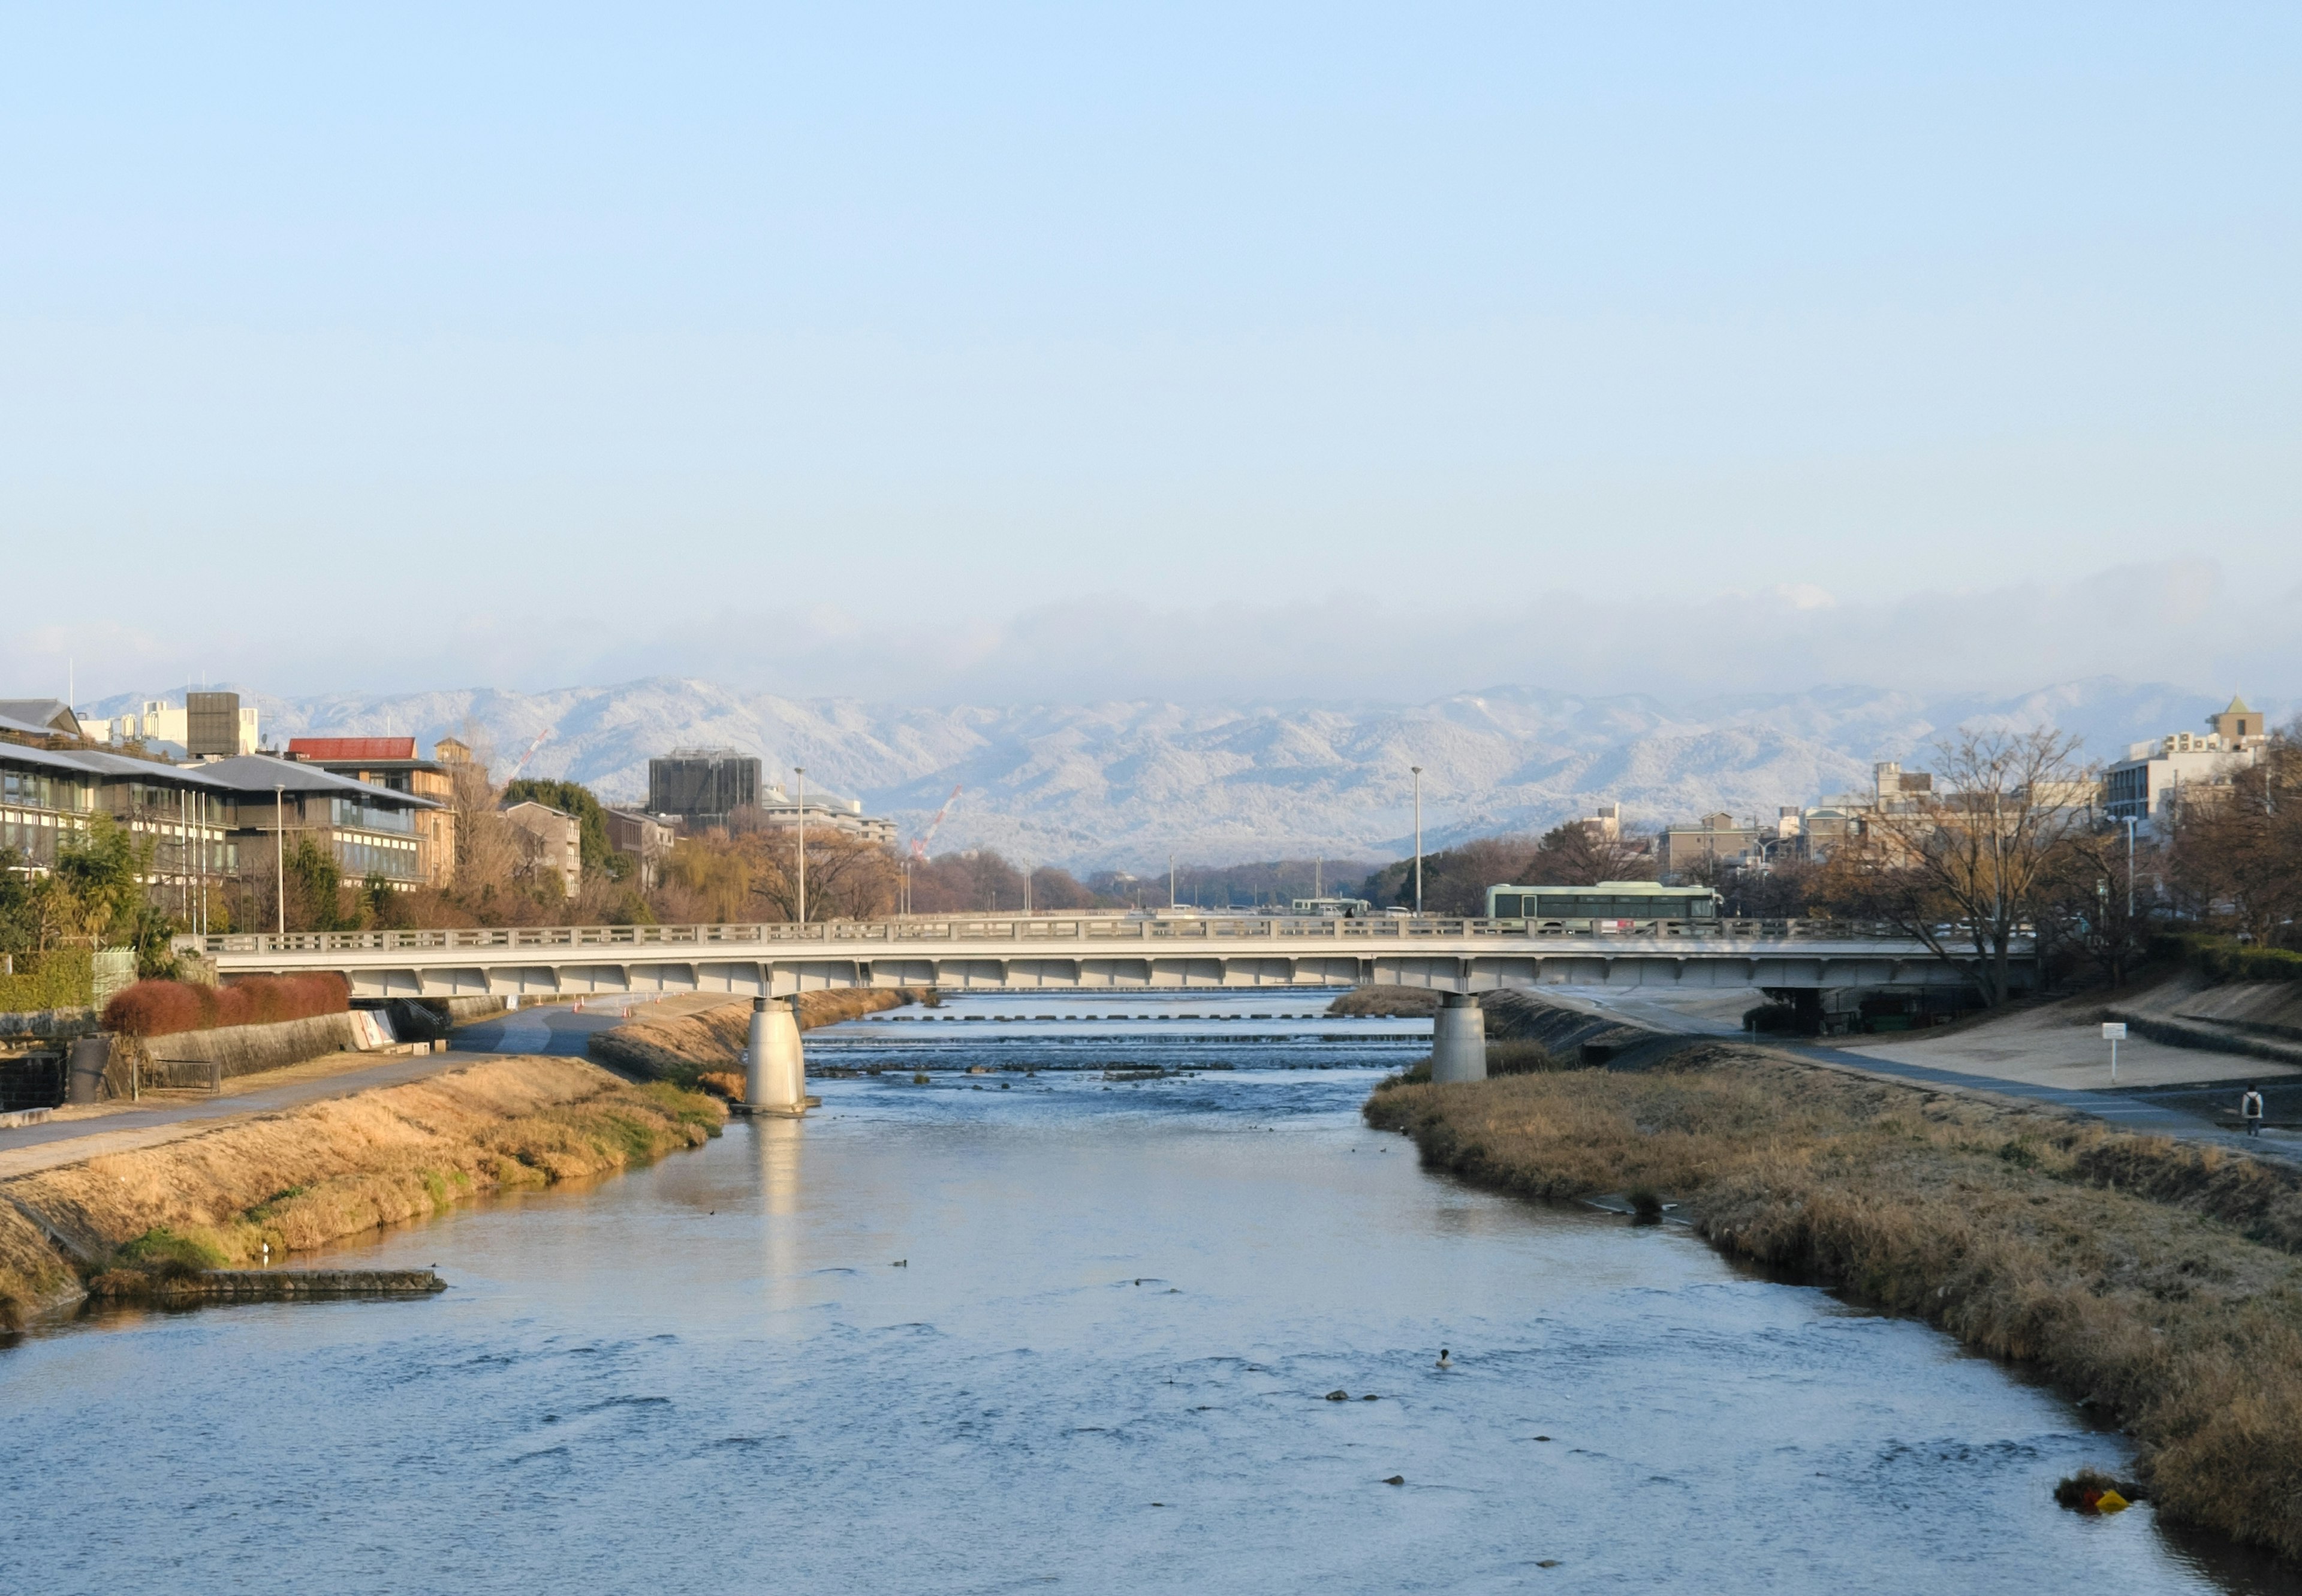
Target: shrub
164,1008
2228,961
62,978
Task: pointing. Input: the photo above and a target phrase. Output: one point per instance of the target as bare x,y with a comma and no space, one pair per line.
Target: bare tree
1965,867
1580,853
2234,853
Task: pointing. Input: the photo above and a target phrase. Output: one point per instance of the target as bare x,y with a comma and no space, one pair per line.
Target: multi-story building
370,831
645,839
392,764
825,813
1717,838
703,786
554,840
206,725
2138,787
50,795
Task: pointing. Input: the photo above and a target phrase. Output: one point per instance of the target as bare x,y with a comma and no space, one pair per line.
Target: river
1024,1331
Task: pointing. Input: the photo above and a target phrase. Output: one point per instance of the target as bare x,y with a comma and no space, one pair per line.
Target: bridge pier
775,1080
1459,1039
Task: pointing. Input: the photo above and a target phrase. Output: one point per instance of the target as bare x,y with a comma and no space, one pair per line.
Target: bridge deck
1093,952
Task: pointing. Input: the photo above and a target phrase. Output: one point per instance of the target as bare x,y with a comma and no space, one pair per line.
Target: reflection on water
1103,1365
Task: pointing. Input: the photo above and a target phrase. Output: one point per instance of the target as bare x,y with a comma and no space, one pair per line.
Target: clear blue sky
1015,350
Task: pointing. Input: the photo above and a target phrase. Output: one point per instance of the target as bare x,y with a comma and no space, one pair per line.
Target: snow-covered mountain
1123,783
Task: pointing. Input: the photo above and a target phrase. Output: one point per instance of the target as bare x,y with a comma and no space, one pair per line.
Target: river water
1025,1332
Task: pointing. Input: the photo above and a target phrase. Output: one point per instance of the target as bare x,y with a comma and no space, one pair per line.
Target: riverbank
296,1181
2157,1282
683,1048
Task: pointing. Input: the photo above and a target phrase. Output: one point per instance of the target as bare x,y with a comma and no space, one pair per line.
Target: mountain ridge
1123,782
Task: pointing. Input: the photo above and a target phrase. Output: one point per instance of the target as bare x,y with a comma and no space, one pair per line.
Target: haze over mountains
1123,783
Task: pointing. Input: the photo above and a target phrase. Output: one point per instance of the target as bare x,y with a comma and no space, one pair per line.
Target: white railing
1027,930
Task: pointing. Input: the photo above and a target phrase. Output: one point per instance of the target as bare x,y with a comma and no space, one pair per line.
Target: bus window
1509,905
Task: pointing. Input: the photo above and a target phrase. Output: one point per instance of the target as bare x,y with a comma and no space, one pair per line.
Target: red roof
331,751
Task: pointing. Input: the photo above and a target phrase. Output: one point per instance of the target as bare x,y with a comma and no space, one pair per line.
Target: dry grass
2160,1281
685,1048
1408,1003
305,1178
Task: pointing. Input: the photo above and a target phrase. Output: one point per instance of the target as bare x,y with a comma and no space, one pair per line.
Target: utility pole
800,771
1171,880
1419,839
279,851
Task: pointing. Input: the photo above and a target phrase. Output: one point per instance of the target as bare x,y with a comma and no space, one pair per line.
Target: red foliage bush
163,1008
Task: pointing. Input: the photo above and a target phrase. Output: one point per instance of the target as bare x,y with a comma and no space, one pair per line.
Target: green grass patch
163,1251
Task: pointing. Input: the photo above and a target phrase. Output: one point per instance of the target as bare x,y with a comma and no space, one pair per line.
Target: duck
1444,1361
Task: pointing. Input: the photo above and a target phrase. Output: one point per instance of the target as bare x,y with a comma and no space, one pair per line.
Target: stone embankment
2159,1283
274,1185
686,1048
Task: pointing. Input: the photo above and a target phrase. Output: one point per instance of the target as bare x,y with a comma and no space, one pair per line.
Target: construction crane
542,737
919,842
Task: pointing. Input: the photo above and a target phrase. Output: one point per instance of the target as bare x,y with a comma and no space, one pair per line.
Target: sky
1008,352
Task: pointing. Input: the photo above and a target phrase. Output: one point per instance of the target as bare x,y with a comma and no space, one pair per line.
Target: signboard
2114,1030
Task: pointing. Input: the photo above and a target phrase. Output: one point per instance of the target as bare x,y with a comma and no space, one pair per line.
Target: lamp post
279,851
800,771
1171,880
2129,874
1419,839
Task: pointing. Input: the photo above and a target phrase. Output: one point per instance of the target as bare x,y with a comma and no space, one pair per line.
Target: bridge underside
372,977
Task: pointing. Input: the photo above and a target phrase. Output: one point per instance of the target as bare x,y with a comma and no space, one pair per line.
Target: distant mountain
1124,783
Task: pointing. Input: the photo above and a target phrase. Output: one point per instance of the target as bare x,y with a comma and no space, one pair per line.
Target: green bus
1608,901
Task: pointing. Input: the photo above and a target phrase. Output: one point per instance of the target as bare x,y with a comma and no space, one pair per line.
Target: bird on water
1444,1361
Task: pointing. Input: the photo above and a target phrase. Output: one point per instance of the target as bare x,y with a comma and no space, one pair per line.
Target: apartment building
554,840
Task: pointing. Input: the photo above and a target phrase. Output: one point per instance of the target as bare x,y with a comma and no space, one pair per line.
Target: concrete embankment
297,1180
2160,1283
686,1047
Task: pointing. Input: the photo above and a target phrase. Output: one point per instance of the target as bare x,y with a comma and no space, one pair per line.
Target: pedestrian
2250,1107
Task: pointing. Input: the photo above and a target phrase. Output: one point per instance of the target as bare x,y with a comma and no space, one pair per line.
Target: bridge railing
1025,932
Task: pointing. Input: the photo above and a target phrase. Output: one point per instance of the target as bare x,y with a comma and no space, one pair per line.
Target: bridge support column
775,1080
1459,1039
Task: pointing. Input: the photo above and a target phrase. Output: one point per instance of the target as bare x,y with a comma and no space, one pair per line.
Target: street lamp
279,851
1419,839
800,771
2129,873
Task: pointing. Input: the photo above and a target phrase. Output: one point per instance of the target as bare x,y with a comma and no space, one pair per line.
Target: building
391,762
216,722
645,839
50,795
277,804
1717,838
217,726
2138,787
39,718
703,786
825,813
554,841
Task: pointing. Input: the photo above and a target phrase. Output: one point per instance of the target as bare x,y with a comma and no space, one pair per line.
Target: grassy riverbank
298,1180
685,1049
2158,1282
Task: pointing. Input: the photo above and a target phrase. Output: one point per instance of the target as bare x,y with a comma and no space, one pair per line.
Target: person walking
2250,1108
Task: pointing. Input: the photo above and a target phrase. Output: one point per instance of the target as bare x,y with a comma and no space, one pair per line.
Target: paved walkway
2146,1112
77,1134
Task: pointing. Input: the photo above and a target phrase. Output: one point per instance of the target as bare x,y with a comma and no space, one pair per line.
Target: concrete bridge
1089,952
769,963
